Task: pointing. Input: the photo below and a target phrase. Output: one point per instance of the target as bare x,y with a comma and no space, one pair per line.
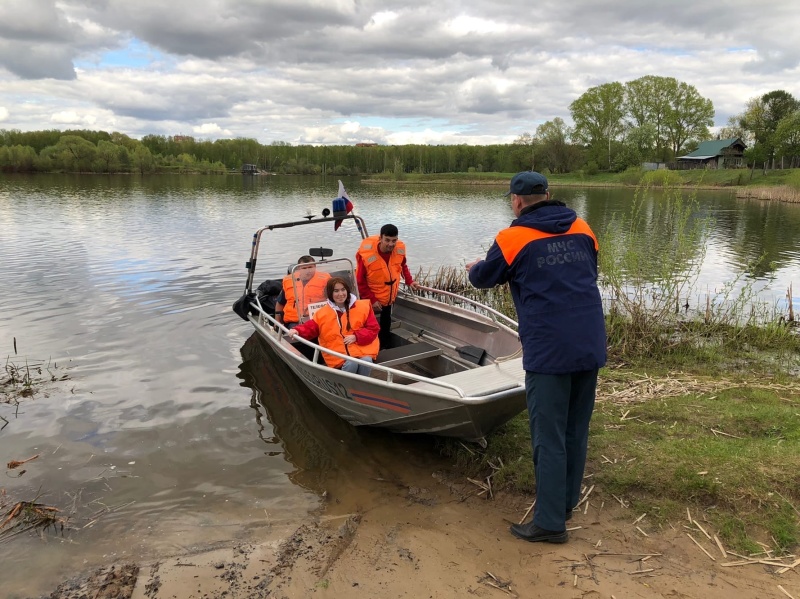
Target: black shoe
534,534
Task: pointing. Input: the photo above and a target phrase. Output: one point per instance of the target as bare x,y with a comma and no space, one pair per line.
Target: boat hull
478,400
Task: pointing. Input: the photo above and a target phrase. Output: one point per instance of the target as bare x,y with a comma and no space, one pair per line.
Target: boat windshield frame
309,220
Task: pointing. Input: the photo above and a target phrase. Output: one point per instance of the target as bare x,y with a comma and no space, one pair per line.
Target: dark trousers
385,334
559,409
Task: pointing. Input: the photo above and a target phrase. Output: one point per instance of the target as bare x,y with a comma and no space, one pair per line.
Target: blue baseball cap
528,183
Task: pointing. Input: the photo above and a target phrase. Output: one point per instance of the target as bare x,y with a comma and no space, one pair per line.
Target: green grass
732,454
630,178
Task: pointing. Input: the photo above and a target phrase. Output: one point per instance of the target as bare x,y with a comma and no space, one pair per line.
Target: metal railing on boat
277,330
490,312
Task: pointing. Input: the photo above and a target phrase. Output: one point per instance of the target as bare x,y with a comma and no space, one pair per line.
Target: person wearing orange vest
548,256
307,287
345,325
380,262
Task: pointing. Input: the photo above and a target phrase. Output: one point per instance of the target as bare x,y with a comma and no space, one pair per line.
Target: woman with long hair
345,325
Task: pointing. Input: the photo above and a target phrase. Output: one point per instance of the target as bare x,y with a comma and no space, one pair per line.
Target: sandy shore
440,540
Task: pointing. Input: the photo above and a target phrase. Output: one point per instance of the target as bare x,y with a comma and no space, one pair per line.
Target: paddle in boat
454,367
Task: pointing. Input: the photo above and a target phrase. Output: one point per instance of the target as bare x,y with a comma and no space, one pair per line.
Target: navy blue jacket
549,258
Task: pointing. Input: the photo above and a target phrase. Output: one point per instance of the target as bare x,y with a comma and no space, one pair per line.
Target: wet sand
433,537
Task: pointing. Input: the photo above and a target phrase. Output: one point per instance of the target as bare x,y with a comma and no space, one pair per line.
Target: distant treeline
617,127
102,152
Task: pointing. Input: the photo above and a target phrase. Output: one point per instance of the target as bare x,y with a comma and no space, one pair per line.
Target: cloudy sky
386,71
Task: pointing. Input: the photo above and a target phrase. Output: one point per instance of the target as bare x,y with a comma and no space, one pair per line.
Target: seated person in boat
308,287
345,325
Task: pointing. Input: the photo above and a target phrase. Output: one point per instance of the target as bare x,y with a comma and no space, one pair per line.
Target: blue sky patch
137,54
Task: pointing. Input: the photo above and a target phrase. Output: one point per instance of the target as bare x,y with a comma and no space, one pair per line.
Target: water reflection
328,455
126,283
312,437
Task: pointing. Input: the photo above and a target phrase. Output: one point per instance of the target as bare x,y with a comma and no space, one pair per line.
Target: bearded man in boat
380,262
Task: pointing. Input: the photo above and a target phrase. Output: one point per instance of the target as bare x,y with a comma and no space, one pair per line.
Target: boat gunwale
461,398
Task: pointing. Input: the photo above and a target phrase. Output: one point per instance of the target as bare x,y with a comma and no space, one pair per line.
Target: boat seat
407,353
478,382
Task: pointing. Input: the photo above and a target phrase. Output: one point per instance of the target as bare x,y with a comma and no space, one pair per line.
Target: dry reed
780,193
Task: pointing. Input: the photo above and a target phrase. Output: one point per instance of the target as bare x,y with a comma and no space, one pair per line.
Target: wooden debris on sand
703,549
498,583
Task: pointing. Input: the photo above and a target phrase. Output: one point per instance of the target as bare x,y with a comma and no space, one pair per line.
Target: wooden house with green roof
717,153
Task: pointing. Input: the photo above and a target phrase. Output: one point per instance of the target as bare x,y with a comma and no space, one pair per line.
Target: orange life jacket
332,330
313,291
383,278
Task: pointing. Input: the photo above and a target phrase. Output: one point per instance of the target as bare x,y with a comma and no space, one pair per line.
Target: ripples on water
126,284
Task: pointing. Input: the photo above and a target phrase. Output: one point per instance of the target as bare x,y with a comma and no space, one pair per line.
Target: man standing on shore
380,262
548,256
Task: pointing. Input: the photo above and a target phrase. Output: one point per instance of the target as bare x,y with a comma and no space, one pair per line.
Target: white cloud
211,129
466,25
315,71
66,117
381,19
3,113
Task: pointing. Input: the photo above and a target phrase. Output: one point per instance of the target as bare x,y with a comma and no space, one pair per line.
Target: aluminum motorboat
454,365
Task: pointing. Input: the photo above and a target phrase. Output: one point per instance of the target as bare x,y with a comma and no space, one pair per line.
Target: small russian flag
348,205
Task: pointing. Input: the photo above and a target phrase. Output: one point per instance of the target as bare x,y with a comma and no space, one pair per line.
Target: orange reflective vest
313,291
333,328
383,278
513,239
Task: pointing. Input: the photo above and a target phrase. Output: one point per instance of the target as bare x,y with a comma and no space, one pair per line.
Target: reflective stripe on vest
512,240
383,279
313,291
333,329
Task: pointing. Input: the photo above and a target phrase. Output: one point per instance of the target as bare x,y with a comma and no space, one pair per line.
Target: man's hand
471,264
291,334
349,339
376,306
414,285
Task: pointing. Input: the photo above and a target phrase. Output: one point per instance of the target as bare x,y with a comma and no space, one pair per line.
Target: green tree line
616,126
657,119
101,152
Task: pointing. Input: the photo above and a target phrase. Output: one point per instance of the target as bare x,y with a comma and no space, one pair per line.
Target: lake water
174,428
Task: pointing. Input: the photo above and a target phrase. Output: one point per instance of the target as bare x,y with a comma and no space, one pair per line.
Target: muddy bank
440,540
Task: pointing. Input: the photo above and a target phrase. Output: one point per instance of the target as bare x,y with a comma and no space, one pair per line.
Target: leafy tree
75,154
778,105
676,110
598,115
17,158
635,148
142,159
787,138
688,117
735,130
123,140
647,101
524,150
109,156
558,153
762,116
